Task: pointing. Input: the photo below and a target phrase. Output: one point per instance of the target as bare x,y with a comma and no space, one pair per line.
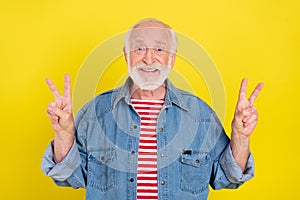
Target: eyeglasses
141,50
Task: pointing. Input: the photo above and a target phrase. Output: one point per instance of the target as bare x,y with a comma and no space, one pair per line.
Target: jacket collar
173,95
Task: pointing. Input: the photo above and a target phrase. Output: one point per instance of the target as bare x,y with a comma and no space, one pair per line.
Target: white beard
149,77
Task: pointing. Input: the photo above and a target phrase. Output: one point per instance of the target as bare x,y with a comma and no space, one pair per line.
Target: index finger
52,88
67,86
242,92
255,92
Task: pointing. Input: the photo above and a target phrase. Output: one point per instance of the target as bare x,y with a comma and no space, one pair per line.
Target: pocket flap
193,158
103,155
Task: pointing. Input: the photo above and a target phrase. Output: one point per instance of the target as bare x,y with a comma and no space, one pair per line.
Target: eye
140,48
159,50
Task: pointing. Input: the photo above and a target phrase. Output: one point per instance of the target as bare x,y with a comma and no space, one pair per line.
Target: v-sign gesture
243,124
61,116
245,116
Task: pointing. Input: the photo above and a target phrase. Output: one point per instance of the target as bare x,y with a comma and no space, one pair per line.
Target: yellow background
255,39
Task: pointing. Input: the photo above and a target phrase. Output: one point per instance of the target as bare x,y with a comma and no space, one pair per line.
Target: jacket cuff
233,171
64,169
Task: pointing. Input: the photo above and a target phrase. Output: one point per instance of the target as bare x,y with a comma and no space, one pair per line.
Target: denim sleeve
64,169
232,170
228,173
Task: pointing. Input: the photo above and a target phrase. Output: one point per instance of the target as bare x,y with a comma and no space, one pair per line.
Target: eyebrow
139,40
161,42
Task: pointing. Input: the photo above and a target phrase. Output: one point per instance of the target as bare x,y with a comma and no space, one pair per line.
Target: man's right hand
61,117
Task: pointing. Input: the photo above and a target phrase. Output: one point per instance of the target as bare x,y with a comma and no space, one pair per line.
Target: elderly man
148,139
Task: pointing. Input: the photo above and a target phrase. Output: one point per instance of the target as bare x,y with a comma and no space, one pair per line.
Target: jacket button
132,179
135,126
161,129
162,182
162,155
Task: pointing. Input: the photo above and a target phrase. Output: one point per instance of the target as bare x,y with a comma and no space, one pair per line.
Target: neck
138,93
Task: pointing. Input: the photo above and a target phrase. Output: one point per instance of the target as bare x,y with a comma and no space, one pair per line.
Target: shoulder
99,105
191,98
191,101
199,110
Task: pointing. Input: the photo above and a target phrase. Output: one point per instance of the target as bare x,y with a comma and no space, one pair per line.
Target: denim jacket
192,148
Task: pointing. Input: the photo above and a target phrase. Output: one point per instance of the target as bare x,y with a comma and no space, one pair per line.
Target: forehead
150,35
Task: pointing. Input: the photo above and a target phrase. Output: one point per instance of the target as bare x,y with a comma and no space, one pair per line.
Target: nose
148,56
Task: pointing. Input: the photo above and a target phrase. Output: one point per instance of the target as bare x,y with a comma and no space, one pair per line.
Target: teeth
149,70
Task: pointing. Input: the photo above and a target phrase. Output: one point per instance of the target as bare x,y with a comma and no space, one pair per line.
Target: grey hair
174,42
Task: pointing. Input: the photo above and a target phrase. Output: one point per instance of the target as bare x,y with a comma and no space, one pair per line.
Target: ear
125,55
173,58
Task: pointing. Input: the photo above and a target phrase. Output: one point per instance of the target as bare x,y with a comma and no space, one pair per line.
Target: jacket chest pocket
101,172
194,171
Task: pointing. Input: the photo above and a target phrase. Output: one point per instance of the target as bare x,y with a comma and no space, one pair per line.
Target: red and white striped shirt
147,152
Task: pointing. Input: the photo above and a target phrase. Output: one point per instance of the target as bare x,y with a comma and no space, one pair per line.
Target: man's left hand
245,116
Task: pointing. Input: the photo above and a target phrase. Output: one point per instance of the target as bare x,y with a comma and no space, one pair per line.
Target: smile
149,70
